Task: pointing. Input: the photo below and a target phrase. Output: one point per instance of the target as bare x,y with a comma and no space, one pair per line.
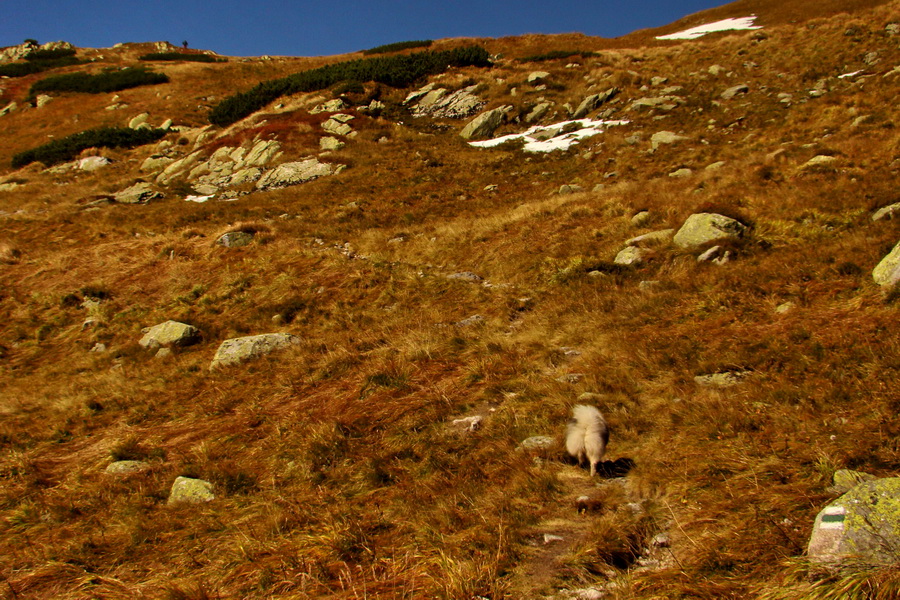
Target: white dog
587,435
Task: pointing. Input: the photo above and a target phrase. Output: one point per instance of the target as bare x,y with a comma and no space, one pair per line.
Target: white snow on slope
552,137
739,24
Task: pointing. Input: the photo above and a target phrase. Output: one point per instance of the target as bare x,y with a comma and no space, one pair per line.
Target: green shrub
50,54
204,58
397,46
68,148
107,81
557,54
395,71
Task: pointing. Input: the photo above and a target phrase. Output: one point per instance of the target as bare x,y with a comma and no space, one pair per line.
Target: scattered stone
820,163
886,212
156,163
650,286
681,173
570,378
665,137
42,100
657,81
188,490
665,103
785,307
170,333
468,424
139,193
715,255
654,237
127,467
702,228
163,353
335,105
466,276
860,527
262,153
715,166
734,91
537,442
237,350
537,76
235,239
892,28
138,121
722,380
485,124
570,188
593,102
337,125
641,219
549,538
630,256
887,271
294,173
8,108
331,144
98,347
538,112
716,70
471,321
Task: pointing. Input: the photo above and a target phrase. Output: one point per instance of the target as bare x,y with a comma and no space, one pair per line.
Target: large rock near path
170,333
238,350
862,526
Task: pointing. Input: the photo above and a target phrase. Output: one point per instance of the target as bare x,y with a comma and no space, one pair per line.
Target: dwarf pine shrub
395,71
69,147
181,56
38,61
107,81
397,46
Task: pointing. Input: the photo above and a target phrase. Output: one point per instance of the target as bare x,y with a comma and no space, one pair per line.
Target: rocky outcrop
702,228
338,124
441,104
170,333
294,173
238,350
485,124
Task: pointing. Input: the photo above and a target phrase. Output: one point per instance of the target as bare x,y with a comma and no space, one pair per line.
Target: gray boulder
860,527
702,228
886,212
632,255
170,333
721,380
262,153
537,442
338,126
734,91
42,100
139,193
593,102
665,137
187,490
330,143
294,173
138,121
887,272
440,104
538,112
653,238
485,124
237,350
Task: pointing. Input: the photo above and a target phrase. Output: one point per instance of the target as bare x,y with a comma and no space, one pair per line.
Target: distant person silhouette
184,43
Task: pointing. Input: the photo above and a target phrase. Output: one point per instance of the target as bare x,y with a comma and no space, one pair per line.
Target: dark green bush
68,148
205,58
557,54
107,81
50,54
395,71
397,46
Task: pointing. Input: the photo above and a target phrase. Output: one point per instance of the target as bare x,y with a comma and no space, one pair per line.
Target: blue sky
305,28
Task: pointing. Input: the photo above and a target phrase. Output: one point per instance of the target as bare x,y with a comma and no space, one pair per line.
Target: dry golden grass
336,468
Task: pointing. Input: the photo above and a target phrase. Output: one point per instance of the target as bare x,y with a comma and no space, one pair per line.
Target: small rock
469,424
715,255
170,333
654,237
139,120
237,350
549,538
235,239
127,467
471,321
660,540
784,308
665,137
641,218
887,271
570,188
485,124
139,193
734,91
163,353
190,491
570,378
42,100
632,255
650,286
820,163
331,144
537,76
715,166
702,228
716,70
721,380
886,212
681,173
98,347
466,276
537,442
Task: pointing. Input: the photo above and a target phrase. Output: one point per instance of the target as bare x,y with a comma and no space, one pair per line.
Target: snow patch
560,136
198,199
738,24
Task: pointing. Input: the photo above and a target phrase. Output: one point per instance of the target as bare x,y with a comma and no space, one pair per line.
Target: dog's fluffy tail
587,435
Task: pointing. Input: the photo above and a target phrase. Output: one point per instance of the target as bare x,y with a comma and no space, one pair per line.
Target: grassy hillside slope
337,468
